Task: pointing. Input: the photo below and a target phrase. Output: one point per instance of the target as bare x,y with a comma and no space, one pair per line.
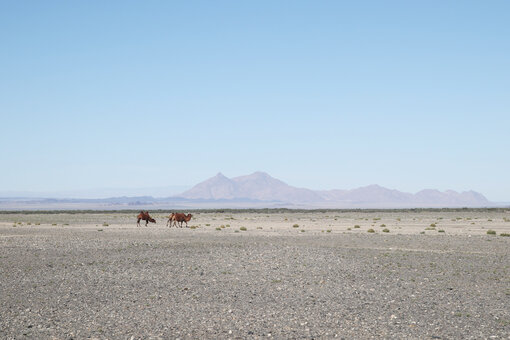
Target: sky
320,94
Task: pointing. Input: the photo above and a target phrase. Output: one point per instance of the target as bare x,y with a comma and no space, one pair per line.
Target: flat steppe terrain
432,275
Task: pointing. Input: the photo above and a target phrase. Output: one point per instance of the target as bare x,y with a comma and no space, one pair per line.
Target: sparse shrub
53,224
433,225
29,223
218,228
422,232
491,232
356,226
227,225
328,231
236,231
222,226
489,220
386,230
383,225
506,219
243,228
504,234
430,228
440,231
349,229
295,226
302,230
68,224
193,227
370,230
99,229
207,224
104,224
259,227
38,223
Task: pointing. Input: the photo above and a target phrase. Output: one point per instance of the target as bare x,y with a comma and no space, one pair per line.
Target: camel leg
138,223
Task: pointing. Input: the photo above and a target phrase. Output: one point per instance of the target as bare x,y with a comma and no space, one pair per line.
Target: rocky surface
123,282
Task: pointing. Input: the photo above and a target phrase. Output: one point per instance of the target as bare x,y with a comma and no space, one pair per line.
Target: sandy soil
288,275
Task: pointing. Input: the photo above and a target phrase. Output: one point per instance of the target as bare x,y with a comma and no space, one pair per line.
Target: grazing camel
144,215
180,217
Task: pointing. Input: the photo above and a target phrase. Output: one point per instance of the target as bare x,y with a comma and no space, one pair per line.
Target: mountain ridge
260,190
260,186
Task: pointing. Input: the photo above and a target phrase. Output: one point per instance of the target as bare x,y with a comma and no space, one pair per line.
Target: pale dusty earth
307,275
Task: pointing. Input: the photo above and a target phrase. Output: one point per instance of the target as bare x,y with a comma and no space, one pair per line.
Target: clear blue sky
321,94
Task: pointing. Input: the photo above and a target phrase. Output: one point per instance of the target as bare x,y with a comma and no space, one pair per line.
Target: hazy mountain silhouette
260,186
257,186
260,190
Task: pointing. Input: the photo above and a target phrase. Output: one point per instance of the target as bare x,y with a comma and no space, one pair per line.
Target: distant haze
163,191
260,190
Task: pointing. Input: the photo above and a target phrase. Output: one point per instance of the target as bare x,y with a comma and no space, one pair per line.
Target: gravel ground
86,280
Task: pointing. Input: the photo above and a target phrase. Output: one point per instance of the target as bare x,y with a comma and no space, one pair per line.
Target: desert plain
283,274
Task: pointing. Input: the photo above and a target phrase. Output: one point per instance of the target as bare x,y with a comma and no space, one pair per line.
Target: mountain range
260,190
260,186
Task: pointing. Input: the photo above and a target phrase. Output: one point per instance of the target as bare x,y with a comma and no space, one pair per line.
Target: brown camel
144,215
179,217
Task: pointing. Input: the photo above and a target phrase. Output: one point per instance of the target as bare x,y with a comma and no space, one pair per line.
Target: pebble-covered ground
100,276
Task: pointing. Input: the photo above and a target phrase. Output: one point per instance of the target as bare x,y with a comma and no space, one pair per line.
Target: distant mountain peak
373,187
256,186
260,174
